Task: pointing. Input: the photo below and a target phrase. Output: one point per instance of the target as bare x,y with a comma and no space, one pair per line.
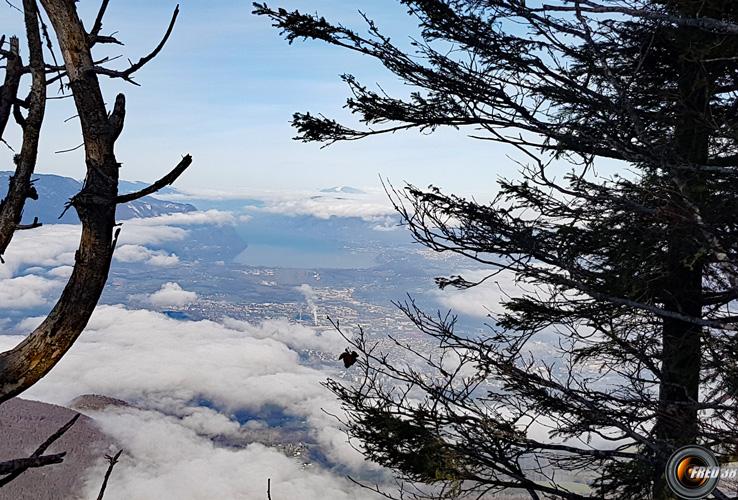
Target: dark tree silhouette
95,204
632,274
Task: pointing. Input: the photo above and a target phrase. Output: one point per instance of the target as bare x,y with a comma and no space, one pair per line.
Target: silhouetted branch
33,225
164,181
112,460
126,74
97,25
69,150
9,89
14,468
117,116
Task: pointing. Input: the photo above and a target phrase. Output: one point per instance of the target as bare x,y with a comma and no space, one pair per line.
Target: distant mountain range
343,190
54,191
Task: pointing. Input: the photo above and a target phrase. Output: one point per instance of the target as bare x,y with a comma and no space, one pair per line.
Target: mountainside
54,191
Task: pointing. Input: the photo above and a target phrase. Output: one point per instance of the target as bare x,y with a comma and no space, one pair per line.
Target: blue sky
224,90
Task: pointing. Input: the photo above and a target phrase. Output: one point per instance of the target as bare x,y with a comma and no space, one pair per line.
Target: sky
224,90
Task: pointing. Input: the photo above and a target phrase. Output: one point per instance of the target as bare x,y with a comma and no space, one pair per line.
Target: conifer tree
634,273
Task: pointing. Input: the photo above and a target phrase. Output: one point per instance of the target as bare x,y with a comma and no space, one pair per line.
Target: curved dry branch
164,181
22,366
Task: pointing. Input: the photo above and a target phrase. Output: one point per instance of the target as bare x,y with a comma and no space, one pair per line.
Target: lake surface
306,257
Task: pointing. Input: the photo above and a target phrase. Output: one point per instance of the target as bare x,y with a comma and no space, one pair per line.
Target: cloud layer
50,249
325,207
196,381
479,301
195,384
165,459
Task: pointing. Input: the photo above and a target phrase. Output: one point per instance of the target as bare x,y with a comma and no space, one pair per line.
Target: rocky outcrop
25,424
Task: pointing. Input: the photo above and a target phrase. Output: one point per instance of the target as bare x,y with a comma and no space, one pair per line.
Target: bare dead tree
630,279
36,355
95,204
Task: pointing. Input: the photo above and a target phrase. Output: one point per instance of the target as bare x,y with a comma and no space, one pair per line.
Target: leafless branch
97,25
33,357
20,185
164,181
75,148
15,468
9,89
127,73
33,225
112,460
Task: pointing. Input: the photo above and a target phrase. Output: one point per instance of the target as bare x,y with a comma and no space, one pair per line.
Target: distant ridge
343,190
55,190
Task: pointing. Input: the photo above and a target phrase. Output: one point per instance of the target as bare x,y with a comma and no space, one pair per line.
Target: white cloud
325,207
161,259
47,246
386,224
61,271
25,291
293,336
215,217
136,232
138,253
267,195
171,294
482,300
54,245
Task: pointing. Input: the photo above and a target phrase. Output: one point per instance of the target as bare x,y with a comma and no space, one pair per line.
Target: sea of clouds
188,381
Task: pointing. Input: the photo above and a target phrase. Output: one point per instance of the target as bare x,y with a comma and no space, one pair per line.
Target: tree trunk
34,357
676,422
